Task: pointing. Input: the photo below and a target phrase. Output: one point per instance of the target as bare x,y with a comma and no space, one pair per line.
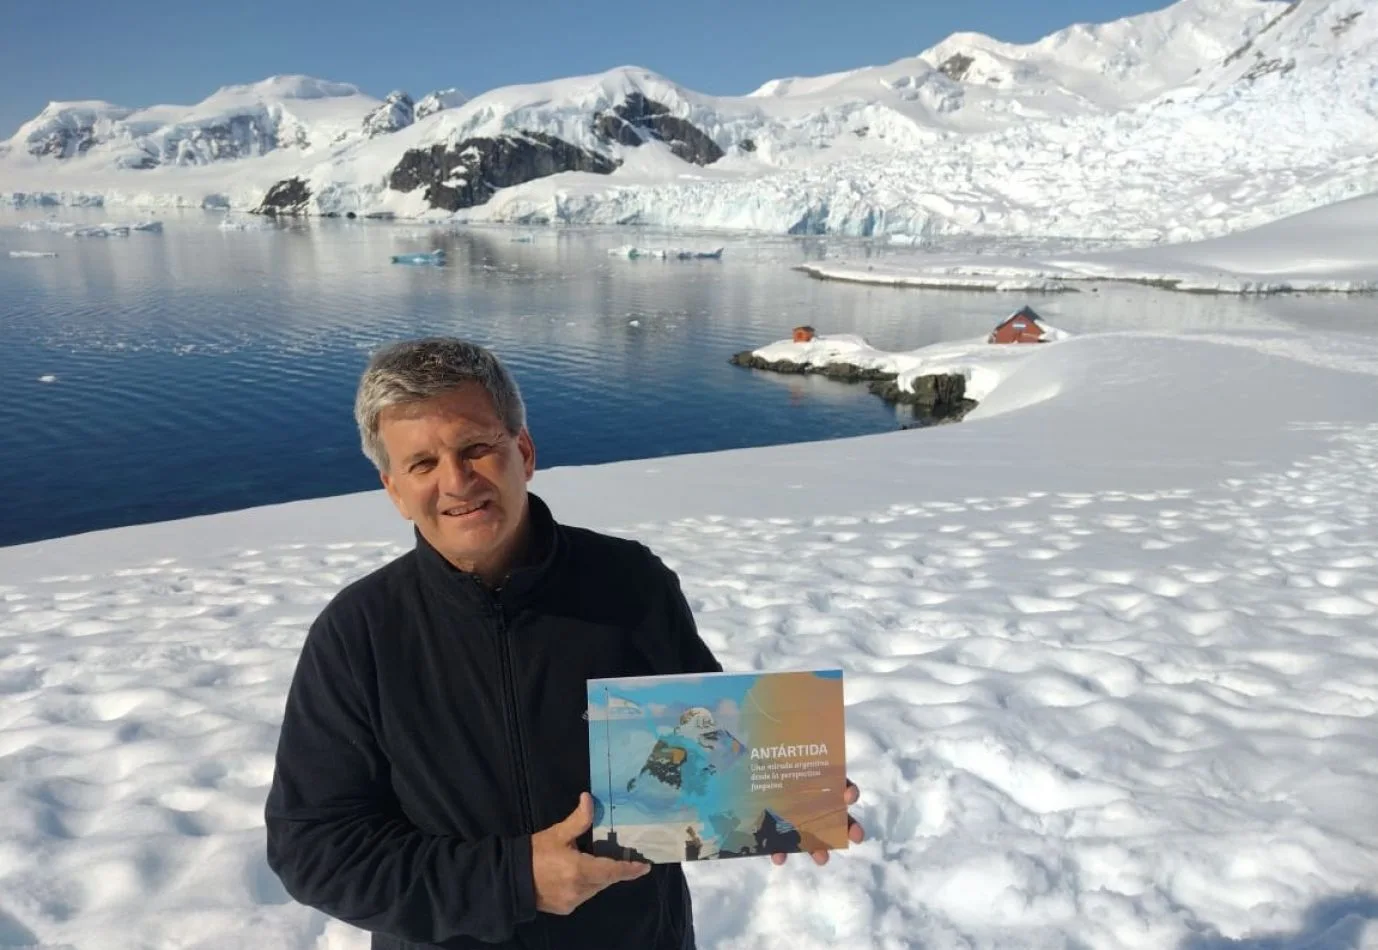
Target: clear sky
180,51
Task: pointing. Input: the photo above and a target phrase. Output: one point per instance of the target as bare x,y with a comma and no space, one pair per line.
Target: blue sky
156,51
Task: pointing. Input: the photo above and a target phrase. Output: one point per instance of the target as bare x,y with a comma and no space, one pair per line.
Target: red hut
1023,326
803,334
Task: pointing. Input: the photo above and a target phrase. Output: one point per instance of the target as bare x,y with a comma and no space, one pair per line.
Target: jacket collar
547,544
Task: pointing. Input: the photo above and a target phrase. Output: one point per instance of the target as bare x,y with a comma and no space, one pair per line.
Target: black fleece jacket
433,725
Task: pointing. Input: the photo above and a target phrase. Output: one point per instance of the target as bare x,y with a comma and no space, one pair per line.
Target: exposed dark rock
64,142
844,372
1239,53
638,119
1266,66
240,136
1345,23
287,197
747,145
468,174
941,396
956,66
936,398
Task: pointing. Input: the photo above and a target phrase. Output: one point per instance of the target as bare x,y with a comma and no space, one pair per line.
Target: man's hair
415,370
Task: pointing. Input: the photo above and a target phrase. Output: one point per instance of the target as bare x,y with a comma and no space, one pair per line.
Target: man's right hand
566,877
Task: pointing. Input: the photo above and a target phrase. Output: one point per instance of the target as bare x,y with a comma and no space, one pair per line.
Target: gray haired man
432,769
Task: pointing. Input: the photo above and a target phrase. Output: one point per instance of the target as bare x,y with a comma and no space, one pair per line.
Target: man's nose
456,472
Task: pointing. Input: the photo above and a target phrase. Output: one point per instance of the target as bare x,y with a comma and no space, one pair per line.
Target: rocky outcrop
241,136
63,142
468,174
439,101
845,372
955,66
397,111
940,397
638,120
288,197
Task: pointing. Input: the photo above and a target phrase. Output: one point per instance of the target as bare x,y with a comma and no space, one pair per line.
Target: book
701,766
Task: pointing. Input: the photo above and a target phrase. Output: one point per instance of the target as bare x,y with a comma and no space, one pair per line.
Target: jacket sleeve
692,653
337,837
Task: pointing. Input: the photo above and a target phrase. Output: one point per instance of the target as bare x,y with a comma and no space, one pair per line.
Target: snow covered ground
1112,673
1332,249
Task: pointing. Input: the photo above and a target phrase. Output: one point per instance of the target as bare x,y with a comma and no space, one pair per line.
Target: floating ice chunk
32,254
103,230
47,378
631,252
246,224
432,257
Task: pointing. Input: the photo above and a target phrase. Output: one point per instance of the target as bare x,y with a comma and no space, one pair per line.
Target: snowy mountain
1188,122
396,112
284,112
439,101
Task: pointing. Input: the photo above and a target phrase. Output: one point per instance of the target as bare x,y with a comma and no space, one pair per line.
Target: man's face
457,473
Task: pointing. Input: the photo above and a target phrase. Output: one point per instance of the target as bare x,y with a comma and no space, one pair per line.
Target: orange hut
1023,326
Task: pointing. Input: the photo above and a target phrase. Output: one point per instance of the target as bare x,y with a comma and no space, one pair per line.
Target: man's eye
422,466
479,450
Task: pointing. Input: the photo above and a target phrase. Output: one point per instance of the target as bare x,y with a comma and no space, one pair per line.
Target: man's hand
566,877
855,833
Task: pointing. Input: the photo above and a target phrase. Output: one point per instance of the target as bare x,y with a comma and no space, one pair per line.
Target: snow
1110,668
1332,249
984,365
439,101
1148,129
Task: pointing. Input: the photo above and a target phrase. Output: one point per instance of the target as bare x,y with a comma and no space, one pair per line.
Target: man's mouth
464,510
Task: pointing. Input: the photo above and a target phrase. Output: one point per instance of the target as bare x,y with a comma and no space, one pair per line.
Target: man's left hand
855,833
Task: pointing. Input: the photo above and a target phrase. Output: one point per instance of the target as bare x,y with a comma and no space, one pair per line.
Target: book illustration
705,766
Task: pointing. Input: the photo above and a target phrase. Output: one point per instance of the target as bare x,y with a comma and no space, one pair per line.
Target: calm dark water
204,370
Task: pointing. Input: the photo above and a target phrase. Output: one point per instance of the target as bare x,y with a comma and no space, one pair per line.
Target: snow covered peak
439,101
67,129
286,87
234,122
396,112
1110,64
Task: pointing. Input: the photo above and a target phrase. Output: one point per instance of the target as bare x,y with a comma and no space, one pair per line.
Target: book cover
717,765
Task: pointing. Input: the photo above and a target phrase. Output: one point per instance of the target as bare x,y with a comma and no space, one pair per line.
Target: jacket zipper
513,722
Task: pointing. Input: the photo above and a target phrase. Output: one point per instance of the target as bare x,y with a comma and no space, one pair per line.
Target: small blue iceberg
430,257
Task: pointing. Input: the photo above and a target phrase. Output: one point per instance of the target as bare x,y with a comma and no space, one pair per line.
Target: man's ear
528,450
395,495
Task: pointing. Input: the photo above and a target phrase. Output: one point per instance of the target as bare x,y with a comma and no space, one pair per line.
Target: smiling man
432,771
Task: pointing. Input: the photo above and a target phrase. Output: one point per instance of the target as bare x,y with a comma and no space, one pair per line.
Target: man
433,764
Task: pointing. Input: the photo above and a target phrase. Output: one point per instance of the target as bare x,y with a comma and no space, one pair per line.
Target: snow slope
1170,125
1110,669
1332,249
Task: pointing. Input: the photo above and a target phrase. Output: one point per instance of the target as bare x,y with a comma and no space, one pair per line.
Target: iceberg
425,257
632,253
